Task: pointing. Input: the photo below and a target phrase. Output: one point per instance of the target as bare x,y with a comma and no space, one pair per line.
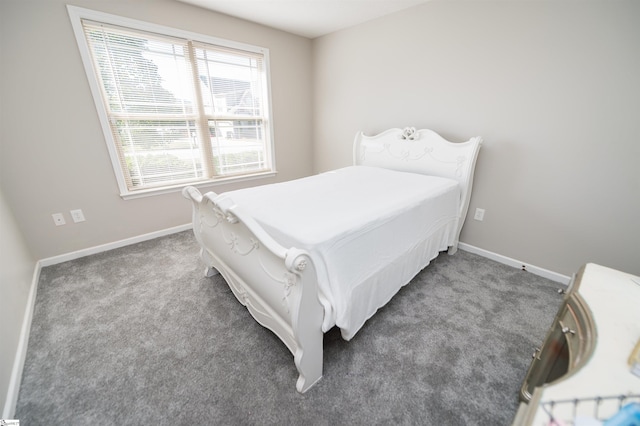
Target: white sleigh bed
330,249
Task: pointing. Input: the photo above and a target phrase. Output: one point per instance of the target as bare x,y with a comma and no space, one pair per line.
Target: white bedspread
368,230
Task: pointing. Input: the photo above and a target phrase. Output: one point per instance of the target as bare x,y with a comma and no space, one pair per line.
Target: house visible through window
177,108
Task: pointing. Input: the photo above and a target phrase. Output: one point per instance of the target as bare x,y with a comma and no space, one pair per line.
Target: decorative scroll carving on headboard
409,133
404,155
411,146
460,165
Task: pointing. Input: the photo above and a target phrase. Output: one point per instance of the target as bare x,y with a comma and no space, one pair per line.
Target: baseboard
9,408
545,273
114,245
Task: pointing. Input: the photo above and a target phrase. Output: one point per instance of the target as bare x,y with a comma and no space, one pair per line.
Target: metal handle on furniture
535,352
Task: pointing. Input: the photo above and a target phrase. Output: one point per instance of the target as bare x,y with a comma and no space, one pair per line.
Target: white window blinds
180,110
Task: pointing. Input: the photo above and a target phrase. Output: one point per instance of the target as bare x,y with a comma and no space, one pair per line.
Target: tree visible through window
179,109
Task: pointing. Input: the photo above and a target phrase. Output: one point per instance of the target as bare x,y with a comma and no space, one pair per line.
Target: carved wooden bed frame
279,285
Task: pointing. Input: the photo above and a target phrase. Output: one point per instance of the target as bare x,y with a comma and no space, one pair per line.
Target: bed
329,250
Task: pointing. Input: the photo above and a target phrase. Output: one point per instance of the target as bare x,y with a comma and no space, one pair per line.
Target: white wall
17,267
54,157
553,89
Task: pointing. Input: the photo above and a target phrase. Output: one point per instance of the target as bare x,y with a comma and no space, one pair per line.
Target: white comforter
368,230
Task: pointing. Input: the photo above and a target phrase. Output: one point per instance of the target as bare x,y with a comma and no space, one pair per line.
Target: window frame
77,14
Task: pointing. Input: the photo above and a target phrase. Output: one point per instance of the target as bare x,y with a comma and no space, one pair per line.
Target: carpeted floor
138,336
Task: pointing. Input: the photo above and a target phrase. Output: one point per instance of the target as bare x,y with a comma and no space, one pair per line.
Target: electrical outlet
58,219
479,215
77,215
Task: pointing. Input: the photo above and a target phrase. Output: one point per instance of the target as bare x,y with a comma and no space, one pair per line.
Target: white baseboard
114,245
9,408
545,273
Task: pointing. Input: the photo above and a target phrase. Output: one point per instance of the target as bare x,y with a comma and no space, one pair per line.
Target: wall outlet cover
58,219
479,214
77,215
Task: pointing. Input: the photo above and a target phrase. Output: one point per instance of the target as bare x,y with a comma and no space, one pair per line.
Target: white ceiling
308,18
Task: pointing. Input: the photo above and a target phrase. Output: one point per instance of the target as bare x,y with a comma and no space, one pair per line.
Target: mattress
368,230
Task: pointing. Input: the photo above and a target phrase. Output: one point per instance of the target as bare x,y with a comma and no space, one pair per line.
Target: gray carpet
138,336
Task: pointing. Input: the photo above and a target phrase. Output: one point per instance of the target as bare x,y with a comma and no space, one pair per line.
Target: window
177,108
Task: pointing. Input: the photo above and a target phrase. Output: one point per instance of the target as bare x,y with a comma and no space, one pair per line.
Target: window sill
177,188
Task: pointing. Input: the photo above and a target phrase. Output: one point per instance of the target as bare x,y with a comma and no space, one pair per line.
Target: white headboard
421,151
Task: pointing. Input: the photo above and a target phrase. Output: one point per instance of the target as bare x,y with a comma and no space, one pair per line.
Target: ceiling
307,18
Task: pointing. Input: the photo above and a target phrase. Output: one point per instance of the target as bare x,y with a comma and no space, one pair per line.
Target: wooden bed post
306,318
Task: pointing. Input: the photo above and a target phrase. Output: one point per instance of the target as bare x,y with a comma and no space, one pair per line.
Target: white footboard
278,285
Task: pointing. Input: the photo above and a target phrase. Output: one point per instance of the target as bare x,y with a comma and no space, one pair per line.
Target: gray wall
552,87
54,157
16,271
